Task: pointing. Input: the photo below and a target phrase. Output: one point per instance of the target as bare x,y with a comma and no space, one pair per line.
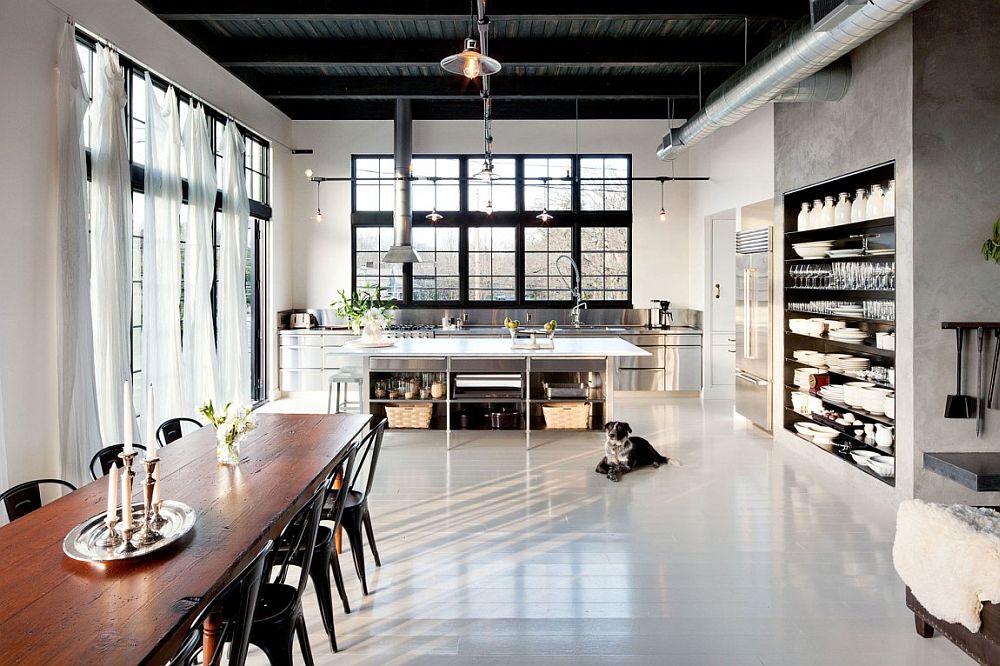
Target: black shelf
838,232
889,481
863,257
408,402
857,293
843,375
555,400
483,401
852,346
844,407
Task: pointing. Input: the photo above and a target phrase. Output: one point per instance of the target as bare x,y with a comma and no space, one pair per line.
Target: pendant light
319,213
470,63
663,211
489,202
545,216
434,215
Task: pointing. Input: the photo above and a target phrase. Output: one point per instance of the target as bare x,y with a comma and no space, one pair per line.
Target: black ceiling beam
509,87
707,51
535,109
449,10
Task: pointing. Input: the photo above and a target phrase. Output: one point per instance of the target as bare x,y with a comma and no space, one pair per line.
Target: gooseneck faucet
575,290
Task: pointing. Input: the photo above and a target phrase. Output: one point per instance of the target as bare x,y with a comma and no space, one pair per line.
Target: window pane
492,264
604,184
373,194
502,191
559,189
369,270
137,107
436,278
604,263
441,194
546,278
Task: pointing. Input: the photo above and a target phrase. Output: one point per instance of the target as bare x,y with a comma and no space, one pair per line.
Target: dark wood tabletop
55,610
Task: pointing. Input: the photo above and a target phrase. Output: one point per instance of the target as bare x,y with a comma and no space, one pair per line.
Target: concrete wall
956,199
322,252
816,142
29,37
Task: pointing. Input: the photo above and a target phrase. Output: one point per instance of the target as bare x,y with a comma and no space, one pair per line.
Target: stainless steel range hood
402,251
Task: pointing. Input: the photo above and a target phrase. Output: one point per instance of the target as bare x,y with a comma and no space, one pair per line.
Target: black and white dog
623,453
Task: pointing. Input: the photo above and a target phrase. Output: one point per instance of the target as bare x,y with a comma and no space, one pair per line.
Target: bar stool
343,377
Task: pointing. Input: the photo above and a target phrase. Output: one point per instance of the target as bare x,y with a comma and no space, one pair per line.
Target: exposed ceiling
329,59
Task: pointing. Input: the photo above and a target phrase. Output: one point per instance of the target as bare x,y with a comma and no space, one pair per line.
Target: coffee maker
659,314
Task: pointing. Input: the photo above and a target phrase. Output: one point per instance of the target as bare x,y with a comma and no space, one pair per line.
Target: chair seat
345,376
353,500
274,600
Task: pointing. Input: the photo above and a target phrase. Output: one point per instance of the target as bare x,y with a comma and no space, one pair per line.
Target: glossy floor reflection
495,555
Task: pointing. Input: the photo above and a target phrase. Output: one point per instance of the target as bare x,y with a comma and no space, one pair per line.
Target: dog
623,453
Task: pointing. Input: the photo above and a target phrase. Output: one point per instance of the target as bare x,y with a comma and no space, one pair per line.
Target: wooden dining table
56,610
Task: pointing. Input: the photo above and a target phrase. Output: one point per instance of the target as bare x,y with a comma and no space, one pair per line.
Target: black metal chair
324,556
172,429
356,514
278,618
107,457
236,603
24,498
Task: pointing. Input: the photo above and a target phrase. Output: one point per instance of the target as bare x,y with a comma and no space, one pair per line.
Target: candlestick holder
129,522
158,520
112,539
147,533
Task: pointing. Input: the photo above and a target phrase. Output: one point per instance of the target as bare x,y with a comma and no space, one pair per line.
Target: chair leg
338,578
300,629
329,399
367,520
319,571
357,551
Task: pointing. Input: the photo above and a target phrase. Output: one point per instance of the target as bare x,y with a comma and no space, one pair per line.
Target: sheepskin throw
949,556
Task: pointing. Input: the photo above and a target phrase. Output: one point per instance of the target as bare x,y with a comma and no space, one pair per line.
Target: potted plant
232,425
367,312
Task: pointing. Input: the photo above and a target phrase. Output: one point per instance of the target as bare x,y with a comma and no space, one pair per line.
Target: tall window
257,162
477,256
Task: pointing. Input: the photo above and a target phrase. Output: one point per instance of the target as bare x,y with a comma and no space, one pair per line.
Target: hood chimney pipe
402,251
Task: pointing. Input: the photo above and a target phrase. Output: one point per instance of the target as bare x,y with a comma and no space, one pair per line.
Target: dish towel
949,556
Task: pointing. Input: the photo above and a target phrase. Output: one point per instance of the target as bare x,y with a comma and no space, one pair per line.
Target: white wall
322,261
739,159
29,36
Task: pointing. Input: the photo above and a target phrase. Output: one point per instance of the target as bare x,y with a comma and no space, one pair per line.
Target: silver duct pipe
829,84
797,55
402,251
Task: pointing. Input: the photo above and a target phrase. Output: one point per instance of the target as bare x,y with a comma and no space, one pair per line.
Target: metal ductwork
402,251
783,65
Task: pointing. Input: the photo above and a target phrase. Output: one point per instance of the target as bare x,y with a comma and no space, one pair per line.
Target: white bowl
862,457
883,465
873,400
889,406
813,327
852,393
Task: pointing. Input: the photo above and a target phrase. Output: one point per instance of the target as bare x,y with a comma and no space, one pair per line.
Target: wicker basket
567,415
409,416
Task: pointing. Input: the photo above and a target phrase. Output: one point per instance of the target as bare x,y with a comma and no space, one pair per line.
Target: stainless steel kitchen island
489,378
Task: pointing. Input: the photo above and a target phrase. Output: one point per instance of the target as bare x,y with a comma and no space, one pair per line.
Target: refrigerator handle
747,323
747,377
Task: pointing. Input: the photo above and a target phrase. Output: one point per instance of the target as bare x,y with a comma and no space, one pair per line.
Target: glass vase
227,449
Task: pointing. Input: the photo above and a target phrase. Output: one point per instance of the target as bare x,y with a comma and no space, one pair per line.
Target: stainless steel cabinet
682,369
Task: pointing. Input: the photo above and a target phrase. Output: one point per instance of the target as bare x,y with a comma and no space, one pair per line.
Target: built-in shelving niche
885,227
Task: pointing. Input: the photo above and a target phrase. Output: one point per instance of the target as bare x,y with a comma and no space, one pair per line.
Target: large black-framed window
509,257
257,170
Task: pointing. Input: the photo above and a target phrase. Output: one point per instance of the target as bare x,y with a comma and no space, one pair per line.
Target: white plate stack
833,392
814,358
848,334
847,363
852,252
848,311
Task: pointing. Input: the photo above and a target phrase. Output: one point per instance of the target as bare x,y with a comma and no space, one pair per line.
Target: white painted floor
495,555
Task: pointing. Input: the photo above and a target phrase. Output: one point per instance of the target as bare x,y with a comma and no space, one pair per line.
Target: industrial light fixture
545,216
487,172
309,173
319,213
434,215
489,202
663,211
470,63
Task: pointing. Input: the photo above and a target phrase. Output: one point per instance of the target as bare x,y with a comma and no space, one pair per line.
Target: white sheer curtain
234,361
200,361
161,255
110,242
79,432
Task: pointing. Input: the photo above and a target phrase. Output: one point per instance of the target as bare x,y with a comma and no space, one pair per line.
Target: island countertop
565,347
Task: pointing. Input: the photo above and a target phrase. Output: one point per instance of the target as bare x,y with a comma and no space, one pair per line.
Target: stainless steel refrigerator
753,326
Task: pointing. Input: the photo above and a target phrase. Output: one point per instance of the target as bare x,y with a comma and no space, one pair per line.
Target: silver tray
81,542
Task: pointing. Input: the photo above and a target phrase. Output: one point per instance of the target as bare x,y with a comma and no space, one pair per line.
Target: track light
544,216
470,63
663,211
319,213
434,216
489,207
309,173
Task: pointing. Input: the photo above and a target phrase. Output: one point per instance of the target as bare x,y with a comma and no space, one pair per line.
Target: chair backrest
370,446
25,497
107,457
339,495
299,537
173,429
240,596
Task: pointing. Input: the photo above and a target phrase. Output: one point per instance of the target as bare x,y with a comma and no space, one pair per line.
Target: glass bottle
873,207
803,222
842,211
889,200
858,207
826,214
814,215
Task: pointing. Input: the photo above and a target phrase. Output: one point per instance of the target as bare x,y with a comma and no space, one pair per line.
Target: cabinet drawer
301,357
653,361
302,380
335,340
389,364
567,365
486,364
727,339
723,365
682,340
300,340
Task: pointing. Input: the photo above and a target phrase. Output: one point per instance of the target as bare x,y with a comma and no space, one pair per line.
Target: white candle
156,484
126,500
127,412
150,424
112,494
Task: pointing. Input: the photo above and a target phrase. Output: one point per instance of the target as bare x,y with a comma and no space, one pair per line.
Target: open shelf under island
481,377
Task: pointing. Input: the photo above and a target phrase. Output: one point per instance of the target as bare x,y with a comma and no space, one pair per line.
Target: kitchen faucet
575,291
